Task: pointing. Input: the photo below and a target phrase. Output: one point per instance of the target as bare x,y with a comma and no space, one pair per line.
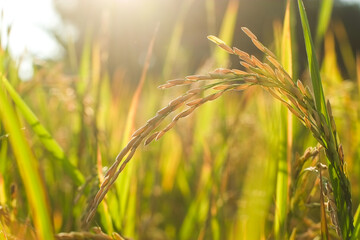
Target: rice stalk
333,150
269,75
324,226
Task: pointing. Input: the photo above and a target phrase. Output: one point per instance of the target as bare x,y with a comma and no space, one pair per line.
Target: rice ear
249,33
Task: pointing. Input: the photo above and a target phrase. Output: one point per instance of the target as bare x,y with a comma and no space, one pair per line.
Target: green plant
308,106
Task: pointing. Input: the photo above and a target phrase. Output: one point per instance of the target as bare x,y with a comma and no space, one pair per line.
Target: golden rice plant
271,76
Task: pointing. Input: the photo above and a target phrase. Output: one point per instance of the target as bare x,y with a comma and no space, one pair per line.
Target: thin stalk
335,159
284,163
34,188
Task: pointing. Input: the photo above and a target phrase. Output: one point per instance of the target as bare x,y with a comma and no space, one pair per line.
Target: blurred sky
30,37
30,22
31,25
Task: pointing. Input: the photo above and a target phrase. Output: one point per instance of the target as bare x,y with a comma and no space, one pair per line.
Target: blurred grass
325,11
338,178
47,140
35,191
214,176
285,139
177,34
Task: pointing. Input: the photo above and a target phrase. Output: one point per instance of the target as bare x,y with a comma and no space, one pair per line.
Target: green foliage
339,180
324,20
28,167
46,139
285,154
313,63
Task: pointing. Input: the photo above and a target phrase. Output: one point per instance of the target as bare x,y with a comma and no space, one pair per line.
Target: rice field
249,145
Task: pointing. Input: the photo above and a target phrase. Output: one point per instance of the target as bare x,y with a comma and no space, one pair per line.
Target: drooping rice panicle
271,77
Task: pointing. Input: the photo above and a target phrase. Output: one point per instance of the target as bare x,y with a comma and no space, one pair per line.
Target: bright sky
29,21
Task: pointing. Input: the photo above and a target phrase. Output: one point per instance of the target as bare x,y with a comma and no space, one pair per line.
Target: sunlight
30,25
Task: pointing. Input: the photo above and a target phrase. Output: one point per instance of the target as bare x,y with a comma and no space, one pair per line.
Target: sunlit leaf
44,136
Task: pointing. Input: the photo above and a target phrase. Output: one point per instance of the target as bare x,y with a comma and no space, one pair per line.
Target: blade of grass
227,31
45,137
2,188
324,227
286,46
85,65
324,19
282,186
313,63
82,136
329,68
356,169
170,167
339,181
26,162
3,163
105,215
356,232
345,48
294,41
198,209
175,39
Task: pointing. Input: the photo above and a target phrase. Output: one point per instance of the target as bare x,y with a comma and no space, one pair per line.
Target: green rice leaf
227,31
26,162
282,191
45,137
339,180
324,19
313,63
356,232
